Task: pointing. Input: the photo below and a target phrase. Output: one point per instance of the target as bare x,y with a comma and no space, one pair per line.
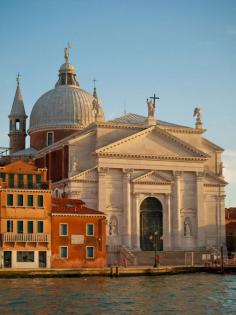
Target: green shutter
10,199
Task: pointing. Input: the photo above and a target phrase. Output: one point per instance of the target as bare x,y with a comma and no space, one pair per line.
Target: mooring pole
222,259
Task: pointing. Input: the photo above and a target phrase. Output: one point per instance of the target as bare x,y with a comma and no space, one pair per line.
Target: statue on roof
197,112
151,108
67,52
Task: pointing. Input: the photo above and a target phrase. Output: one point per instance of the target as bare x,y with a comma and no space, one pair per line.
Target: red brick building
78,235
230,226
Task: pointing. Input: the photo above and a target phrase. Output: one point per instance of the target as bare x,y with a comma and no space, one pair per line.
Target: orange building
230,227
78,235
25,216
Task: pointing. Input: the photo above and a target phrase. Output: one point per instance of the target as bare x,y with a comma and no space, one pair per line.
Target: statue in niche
151,108
187,227
113,226
74,165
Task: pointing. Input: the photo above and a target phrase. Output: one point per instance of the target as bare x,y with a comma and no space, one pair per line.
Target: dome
67,105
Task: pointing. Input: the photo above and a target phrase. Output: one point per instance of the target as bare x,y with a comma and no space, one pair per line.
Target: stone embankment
113,271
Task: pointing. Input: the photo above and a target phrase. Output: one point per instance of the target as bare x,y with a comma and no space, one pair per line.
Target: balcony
36,238
39,186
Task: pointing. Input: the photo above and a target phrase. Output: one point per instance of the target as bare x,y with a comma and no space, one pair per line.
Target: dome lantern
67,73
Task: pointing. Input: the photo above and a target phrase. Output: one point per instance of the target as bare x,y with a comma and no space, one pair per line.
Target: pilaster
167,223
177,217
200,210
126,208
102,172
136,222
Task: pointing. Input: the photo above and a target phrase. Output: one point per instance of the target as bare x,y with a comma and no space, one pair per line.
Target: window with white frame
63,251
63,229
89,252
90,229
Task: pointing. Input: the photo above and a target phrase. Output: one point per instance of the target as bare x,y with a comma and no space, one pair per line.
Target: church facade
152,179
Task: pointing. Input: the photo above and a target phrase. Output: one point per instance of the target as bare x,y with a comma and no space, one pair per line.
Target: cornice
149,157
77,215
120,126
152,183
182,130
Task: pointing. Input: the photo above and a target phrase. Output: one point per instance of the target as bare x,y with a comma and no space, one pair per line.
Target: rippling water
178,294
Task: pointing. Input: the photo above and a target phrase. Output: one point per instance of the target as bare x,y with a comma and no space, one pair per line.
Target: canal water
176,294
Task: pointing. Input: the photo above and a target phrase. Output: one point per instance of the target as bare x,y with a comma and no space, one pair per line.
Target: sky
182,50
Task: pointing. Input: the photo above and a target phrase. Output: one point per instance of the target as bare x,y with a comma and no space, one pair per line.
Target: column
177,217
102,172
167,224
200,210
136,221
62,163
126,209
222,214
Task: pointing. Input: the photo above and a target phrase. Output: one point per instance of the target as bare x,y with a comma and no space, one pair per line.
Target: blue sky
185,51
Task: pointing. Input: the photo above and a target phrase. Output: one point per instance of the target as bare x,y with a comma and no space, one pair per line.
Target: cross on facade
154,98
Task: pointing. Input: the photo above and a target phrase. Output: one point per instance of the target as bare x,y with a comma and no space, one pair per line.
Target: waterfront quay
113,271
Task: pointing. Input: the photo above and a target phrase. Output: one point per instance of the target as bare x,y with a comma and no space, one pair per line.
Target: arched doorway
151,221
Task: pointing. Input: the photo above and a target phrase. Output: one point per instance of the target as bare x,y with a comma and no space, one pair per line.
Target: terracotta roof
230,213
72,206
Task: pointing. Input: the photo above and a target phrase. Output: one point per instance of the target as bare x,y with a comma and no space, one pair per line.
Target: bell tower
17,121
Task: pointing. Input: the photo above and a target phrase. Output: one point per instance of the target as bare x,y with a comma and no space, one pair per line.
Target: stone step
146,258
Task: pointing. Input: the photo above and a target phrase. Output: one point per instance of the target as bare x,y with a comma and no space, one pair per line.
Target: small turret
17,121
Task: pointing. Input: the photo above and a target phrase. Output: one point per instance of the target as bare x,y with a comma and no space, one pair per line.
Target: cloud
229,159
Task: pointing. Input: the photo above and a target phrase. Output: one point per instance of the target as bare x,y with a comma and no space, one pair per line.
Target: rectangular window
20,200
30,181
20,181
40,201
30,200
3,176
11,180
90,252
30,227
63,229
40,226
19,227
10,200
63,251
9,226
50,138
90,229
38,179
25,256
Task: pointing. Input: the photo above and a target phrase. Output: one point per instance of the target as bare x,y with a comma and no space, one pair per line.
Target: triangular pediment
90,175
152,177
155,142
20,167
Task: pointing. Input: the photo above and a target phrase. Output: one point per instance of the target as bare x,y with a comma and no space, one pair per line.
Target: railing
127,257
10,237
40,186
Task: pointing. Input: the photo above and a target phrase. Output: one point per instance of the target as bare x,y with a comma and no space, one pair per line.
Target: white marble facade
115,166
